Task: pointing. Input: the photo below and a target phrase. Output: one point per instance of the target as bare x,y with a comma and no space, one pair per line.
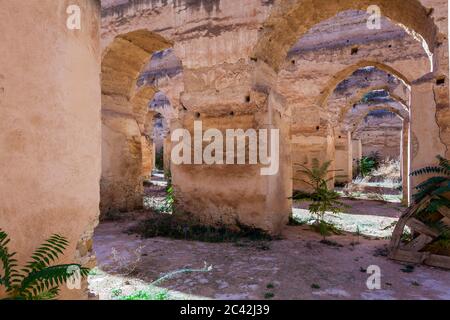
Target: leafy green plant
169,201
322,199
437,186
431,196
38,280
368,164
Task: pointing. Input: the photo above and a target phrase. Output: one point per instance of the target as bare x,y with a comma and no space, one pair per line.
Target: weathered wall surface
50,142
381,134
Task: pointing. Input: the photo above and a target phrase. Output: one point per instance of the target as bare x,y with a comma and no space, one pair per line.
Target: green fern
436,188
38,280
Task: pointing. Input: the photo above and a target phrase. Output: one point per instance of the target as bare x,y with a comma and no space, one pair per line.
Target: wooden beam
409,256
438,261
418,243
421,227
400,227
445,212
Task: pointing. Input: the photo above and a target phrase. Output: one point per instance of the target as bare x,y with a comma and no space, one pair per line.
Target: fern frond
434,181
442,189
429,170
8,262
47,253
435,204
41,281
444,163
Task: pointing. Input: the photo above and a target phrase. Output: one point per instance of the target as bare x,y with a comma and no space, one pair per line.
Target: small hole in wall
232,113
340,137
440,81
354,106
293,62
317,128
247,99
355,50
390,46
197,115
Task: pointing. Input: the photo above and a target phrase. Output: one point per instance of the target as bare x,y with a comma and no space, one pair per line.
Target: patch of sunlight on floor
393,198
113,287
373,226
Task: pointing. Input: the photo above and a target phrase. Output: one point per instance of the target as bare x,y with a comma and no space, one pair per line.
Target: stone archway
292,19
353,118
124,109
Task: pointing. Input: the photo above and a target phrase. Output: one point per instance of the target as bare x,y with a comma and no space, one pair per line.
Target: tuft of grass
315,286
146,295
270,286
269,295
408,269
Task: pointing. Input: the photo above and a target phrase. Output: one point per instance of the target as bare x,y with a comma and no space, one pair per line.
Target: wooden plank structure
413,251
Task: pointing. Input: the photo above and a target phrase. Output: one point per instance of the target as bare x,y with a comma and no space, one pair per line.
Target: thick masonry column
405,156
425,141
344,158
50,145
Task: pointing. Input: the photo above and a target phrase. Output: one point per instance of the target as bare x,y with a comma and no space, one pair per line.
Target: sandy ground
297,267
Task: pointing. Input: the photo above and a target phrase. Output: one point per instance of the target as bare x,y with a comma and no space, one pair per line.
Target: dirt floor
297,267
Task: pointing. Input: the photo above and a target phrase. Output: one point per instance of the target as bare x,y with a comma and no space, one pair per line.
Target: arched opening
313,70
128,84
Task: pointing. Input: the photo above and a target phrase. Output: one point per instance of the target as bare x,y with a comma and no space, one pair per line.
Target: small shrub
269,295
323,199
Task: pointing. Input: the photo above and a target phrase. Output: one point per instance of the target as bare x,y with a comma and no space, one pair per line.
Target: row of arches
256,92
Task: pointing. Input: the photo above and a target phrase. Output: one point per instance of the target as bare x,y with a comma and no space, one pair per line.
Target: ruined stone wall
380,134
50,143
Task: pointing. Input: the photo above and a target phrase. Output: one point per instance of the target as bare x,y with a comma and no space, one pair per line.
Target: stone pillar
122,180
425,135
154,154
147,158
344,158
167,150
405,159
236,194
50,146
356,153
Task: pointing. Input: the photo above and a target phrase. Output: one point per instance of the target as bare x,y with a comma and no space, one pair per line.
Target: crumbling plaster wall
51,134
